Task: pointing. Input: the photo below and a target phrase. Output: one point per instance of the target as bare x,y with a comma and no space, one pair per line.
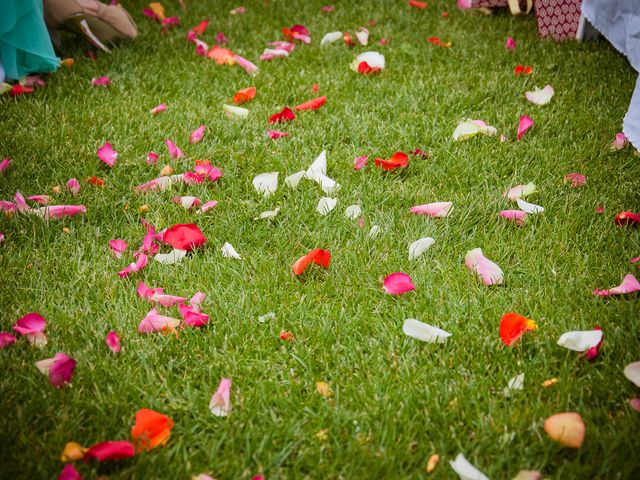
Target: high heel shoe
97,22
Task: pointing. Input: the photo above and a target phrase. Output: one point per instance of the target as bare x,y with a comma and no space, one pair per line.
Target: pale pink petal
576,179
152,158
192,317
208,205
632,372
4,164
510,44
363,36
73,185
59,369
6,339
100,81
21,203
197,134
629,285
360,162
619,142
249,67
398,283
153,322
489,272
187,202
516,216
635,404
107,154
156,295
328,8
148,245
520,191
41,199
113,341
282,45
197,300
220,404
118,247
134,267
238,11
159,184
464,4
274,134
436,209
174,151
270,54
525,124
159,109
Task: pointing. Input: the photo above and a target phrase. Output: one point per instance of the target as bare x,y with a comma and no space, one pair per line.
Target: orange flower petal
222,56
512,326
397,160
244,95
314,104
317,255
151,429
566,428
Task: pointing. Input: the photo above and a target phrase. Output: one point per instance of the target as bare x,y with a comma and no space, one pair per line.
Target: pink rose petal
59,369
110,451
7,207
489,272
274,134
118,247
592,352
113,341
41,199
208,205
635,403
21,203
152,158
159,109
156,295
154,322
30,323
398,283
619,142
328,8
6,339
576,179
73,185
197,300
238,11
221,39
174,151
197,134
69,472
436,209
192,317
510,44
635,260
140,263
525,124
629,285
516,216
107,154
60,211
100,81
4,164
249,67
360,162
220,404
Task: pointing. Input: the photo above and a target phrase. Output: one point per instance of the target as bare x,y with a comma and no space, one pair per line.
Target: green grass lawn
396,400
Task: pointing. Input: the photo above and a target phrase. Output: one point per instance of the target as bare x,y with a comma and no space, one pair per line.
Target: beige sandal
97,22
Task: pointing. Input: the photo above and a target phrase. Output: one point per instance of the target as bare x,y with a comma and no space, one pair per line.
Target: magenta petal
360,162
100,81
197,134
517,216
511,44
21,203
174,151
629,285
525,124
59,211
274,134
73,185
160,108
41,199
221,39
61,371
107,154
154,322
140,263
249,67
398,283
152,158
192,317
6,339
30,323
4,164
110,451
156,295
113,341
7,207
69,472
118,247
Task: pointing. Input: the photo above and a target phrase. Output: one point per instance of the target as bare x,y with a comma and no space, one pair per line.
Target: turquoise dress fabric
25,46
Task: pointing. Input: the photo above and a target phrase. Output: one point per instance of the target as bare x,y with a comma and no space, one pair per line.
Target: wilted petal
465,129
632,372
6,339
359,162
152,429
619,142
580,341
436,209
525,124
318,256
423,331
235,112
229,252
113,341
566,428
293,180
21,203
541,96
140,263
520,191
352,212
629,285
516,216
362,34
513,326
529,207
73,185
398,283
187,202
107,154
330,38
174,256
220,404
489,272
419,246
266,183
118,247
576,179
154,322
465,470
106,451
197,134
325,205
627,218
101,81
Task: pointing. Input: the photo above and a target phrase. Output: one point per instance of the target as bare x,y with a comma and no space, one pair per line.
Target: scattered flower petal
32,326
436,209
274,134
197,134
510,44
433,461
192,316
286,115
489,272
353,212
516,383
159,109
627,218
73,185
151,429
360,162
69,472
580,341
566,428
465,470
113,341
59,369
513,326
229,252
418,247
632,372
525,124
423,331
266,183
517,216
72,452
244,95
520,191
529,207
619,142
100,81
541,96
368,63
330,38
314,104
325,205
106,451
629,285
470,128
118,247
107,154
398,283
220,404
6,339
293,180
397,160
576,179
174,256
134,267
235,112
317,256
184,237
